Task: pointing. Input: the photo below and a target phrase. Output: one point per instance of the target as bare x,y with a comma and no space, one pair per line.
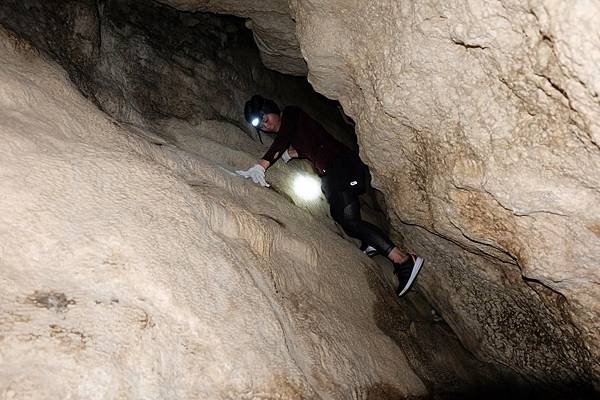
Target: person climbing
343,177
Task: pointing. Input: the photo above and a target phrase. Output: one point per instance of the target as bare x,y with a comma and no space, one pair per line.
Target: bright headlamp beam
255,122
307,188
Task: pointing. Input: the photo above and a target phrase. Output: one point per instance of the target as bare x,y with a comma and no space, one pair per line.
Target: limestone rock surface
272,26
133,269
481,124
171,79
141,61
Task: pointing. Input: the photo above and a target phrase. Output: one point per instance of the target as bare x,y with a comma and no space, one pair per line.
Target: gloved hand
256,173
286,156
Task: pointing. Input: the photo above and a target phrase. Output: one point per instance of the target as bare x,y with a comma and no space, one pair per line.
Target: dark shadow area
382,391
447,369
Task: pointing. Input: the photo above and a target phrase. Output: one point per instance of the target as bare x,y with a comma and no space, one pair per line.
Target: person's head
263,114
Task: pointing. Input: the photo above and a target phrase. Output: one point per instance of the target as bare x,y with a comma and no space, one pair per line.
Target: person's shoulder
295,113
291,115
292,110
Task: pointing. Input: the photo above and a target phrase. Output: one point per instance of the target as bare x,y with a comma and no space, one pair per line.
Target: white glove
286,156
256,173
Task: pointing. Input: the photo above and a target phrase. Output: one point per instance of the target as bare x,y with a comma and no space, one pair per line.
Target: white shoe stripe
413,275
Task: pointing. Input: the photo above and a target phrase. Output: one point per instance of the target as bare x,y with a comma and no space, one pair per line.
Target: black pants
345,179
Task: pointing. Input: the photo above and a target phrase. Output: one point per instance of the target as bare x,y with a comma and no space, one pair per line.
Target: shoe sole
370,251
415,271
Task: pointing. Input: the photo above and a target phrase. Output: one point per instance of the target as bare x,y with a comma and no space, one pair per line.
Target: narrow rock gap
175,77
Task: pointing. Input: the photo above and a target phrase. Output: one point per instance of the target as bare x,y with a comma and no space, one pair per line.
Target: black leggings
345,206
345,210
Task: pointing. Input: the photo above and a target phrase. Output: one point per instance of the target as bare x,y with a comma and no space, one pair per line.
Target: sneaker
406,273
368,250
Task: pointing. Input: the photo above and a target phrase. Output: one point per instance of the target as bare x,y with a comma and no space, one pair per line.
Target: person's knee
345,210
351,226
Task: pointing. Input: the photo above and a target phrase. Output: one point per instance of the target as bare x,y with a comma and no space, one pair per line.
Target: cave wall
138,266
135,269
272,26
481,124
142,62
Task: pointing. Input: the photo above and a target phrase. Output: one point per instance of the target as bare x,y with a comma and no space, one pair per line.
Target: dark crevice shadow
428,343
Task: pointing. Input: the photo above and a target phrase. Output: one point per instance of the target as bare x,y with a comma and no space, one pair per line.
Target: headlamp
257,119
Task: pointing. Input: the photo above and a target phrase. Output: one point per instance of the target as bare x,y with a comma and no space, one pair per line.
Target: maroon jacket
307,136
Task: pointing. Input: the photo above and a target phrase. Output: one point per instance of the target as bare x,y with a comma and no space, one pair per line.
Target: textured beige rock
139,270
271,23
141,61
480,122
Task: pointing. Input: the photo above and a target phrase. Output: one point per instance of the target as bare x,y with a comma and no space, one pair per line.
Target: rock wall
134,264
132,269
273,29
142,62
481,124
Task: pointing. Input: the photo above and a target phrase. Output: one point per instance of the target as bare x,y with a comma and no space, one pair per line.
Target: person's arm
289,154
283,140
264,163
257,172
278,147
286,156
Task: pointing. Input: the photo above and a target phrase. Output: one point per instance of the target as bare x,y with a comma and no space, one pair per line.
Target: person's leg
346,169
397,256
345,210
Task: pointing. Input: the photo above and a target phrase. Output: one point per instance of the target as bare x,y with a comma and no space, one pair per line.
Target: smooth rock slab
138,270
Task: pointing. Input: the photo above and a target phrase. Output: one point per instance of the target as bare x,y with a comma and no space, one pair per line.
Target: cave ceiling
271,24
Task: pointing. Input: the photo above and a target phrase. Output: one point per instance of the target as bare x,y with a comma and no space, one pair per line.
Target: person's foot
406,272
368,250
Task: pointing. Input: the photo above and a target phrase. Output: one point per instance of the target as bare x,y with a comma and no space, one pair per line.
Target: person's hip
345,172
